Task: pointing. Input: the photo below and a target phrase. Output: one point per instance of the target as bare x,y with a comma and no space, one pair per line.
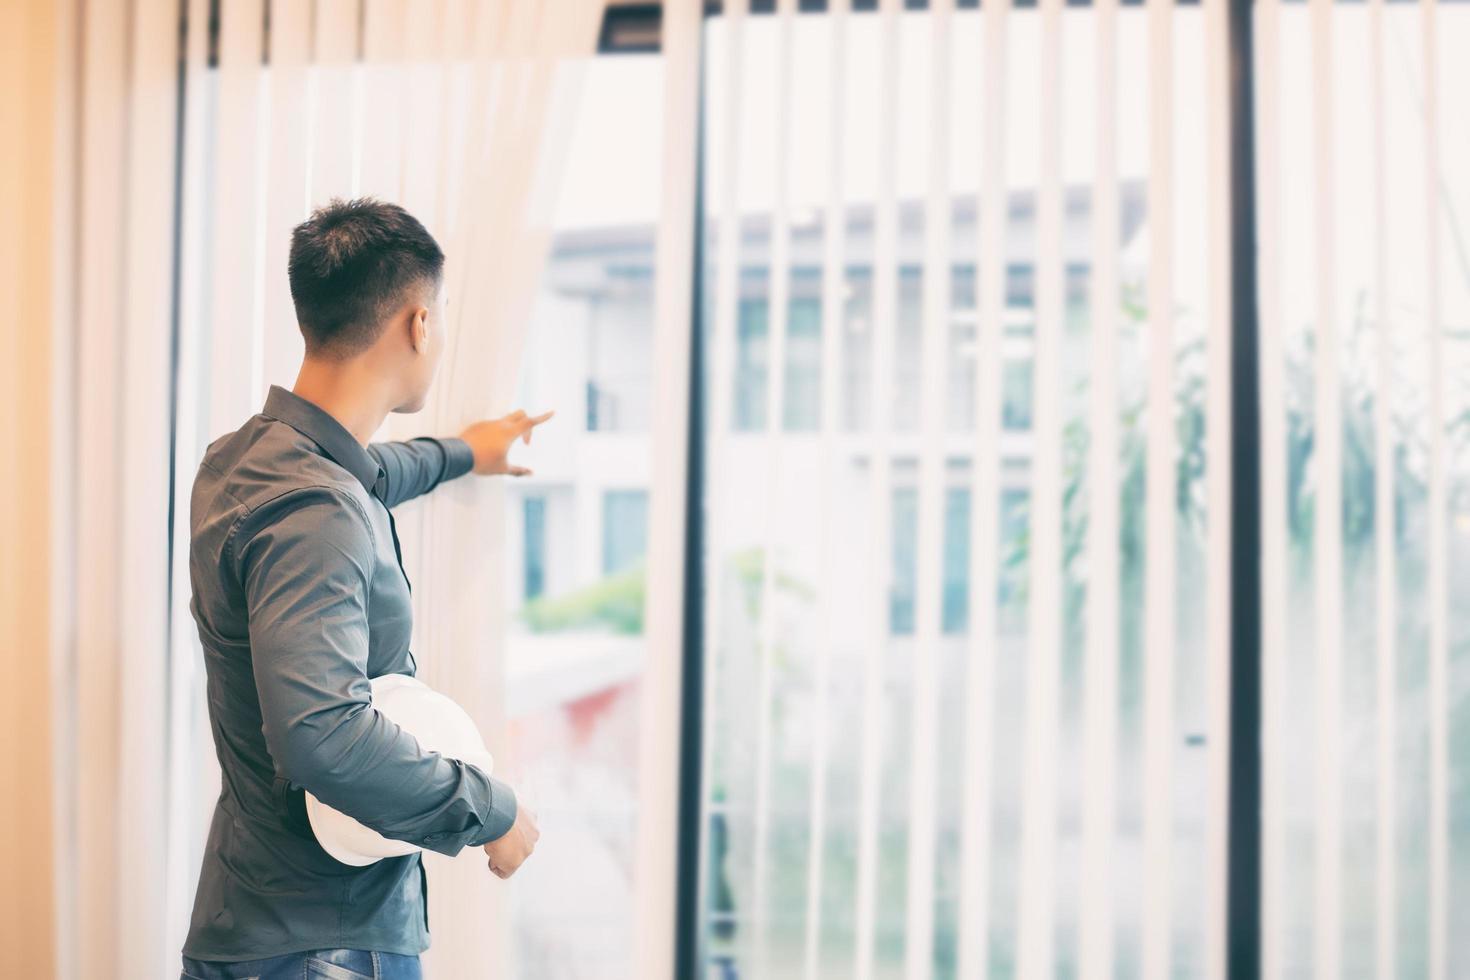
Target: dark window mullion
1243,847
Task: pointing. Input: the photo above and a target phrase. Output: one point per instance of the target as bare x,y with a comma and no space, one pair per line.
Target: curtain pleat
1096,942
834,227
1386,398
1327,534
932,476
1160,495
100,340
1438,680
194,776
1036,943
656,867
779,285
289,159
974,956
142,826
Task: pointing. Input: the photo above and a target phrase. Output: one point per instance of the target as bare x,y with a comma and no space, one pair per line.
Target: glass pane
624,529
577,534
1367,758
823,529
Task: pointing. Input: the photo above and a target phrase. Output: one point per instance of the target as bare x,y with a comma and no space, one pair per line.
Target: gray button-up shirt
300,597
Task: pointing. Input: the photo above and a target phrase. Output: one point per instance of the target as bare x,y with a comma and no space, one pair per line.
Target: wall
30,87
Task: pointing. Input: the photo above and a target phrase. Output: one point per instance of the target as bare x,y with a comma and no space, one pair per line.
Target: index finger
534,420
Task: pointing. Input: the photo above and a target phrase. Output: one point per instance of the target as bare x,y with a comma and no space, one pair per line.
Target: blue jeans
318,964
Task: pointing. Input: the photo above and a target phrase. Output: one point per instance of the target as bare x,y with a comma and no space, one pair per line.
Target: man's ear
418,330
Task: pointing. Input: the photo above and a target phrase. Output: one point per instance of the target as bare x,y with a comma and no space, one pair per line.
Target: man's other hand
491,440
511,849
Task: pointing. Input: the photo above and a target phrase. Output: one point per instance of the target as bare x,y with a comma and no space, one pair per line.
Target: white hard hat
439,724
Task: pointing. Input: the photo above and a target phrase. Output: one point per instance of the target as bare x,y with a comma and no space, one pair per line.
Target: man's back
299,598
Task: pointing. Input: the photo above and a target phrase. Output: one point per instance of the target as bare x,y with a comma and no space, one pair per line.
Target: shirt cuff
459,459
502,815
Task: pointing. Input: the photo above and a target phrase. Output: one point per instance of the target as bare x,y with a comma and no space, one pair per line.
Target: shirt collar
330,435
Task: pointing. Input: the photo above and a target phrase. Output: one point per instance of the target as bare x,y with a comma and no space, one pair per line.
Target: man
300,597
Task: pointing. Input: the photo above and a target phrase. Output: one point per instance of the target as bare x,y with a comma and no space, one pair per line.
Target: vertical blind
1365,291
965,288
967,613
968,617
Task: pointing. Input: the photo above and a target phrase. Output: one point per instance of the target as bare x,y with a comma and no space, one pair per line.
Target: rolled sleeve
306,573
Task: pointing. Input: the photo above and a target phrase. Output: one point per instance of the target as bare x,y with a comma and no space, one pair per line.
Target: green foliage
1189,408
613,604
748,569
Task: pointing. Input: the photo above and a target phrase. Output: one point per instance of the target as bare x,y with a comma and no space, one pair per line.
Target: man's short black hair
352,264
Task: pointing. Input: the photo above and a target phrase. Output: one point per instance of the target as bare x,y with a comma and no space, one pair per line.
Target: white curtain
456,109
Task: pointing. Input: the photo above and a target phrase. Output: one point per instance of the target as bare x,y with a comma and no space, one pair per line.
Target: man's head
367,281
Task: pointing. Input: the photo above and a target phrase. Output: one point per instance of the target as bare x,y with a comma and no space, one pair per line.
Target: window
803,395
956,560
908,348
857,347
905,555
1365,471
624,529
751,355
617,334
841,596
576,586
534,523
960,378
1016,411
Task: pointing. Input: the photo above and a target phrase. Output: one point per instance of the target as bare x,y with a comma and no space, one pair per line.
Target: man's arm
306,566
415,467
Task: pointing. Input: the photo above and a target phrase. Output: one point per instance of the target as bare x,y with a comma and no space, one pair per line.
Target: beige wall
29,75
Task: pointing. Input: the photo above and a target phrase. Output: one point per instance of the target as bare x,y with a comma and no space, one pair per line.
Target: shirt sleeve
415,467
307,572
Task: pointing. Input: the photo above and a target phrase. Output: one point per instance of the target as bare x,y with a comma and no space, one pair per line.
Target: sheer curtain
35,243
203,132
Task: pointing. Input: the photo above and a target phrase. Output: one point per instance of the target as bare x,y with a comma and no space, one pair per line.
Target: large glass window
578,529
849,634
624,529
534,523
1365,290
751,355
857,353
803,396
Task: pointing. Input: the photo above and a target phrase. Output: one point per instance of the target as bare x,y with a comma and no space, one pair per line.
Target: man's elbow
320,759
